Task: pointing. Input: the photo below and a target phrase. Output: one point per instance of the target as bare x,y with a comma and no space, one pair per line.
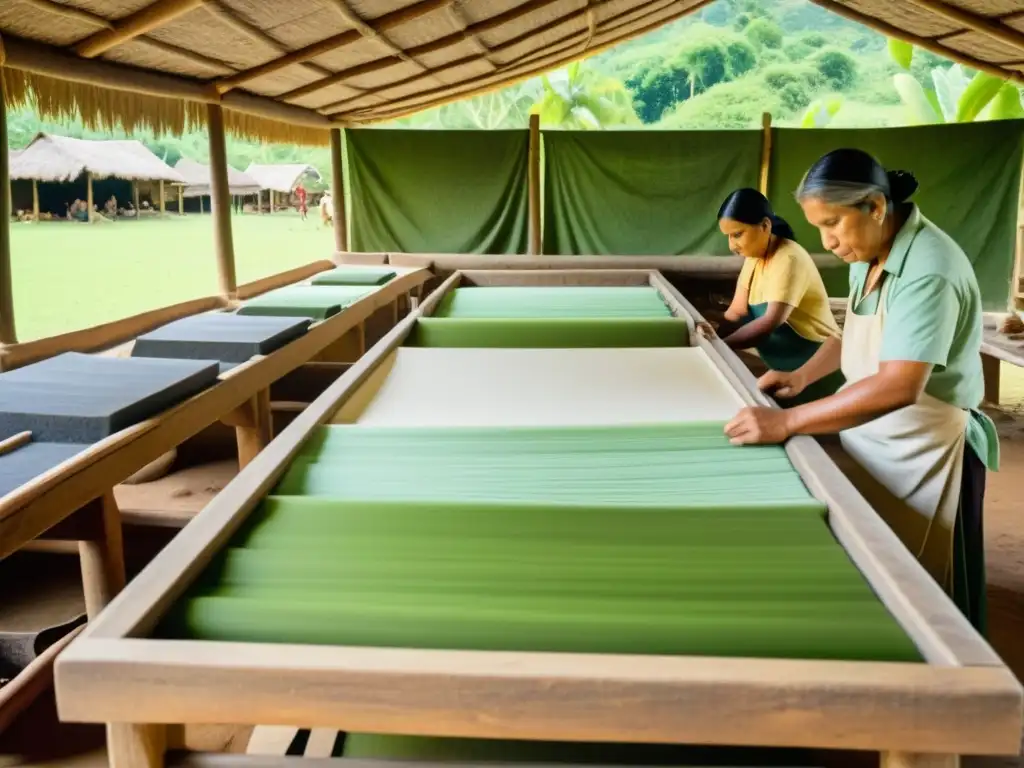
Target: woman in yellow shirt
780,306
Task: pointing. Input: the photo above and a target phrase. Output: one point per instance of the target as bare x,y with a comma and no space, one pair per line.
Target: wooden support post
220,202
35,200
201,205
254,427
102,556
88,197
338,192
766,152
533,187
136,746
991,368
181,200
271,193
907,760
135,199
7,334
163,200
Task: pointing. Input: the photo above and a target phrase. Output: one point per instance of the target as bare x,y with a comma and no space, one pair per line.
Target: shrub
838,67
738,104
764,33
814,40
798,51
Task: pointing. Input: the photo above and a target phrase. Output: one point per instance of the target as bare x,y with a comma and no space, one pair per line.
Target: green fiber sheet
553,301
355,276
654,540
543,333
313,301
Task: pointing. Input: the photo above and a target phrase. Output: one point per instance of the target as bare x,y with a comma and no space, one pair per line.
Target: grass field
69,275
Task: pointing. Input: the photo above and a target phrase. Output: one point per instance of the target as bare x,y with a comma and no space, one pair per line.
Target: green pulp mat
355,276
556,332
508,302
313,301
653,540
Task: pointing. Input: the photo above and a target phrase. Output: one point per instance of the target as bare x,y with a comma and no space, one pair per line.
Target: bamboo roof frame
291,72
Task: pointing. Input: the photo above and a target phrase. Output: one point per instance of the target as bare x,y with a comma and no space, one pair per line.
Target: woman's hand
753,426
782,383
706,330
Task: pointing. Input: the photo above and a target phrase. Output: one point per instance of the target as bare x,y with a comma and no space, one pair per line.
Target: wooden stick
103,572
533,182
338,193
181,200
254,437
974,22
921,42
14,442
148,18
220,202
163,201
380,24
19,693
89,198
35,199
7,331
766,152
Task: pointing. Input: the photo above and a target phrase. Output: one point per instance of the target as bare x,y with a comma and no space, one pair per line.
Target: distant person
326,210
300,192
780,307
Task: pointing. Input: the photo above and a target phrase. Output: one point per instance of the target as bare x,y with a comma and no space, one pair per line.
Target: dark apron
786,350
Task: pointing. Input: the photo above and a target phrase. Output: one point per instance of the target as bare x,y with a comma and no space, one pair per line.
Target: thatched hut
282,178
54,170
198,183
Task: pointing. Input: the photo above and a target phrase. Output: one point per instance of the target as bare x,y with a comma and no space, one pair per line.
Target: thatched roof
60,158
282,177
197,179
290,70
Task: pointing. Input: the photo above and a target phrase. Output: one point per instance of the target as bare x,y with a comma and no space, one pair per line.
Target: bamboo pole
7,332
35,199
135,199
88,196
533,187
766,152
220,202
163,199
148,18
988,27
181,200
338,193
270,192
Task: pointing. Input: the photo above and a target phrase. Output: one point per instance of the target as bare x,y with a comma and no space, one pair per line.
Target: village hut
52,171
281,179
198,184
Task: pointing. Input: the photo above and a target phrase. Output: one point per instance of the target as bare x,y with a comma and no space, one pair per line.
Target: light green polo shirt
934,315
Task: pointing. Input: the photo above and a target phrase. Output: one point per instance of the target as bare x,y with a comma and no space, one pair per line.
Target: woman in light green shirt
910,352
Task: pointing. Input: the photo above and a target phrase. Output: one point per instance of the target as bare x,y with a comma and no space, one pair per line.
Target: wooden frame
74,501
963,700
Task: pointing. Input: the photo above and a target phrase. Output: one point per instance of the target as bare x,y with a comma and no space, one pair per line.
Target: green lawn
69,275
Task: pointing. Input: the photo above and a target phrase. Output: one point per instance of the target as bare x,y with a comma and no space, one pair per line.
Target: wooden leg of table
990,368
918,760
136,746
255,431
394,312
102,556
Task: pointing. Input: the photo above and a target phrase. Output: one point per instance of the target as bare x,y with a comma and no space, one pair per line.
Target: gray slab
31,460
76,398
227,337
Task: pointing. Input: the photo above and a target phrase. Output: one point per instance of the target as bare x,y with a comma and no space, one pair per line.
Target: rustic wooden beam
921,42
533,186
7,332
380,24
766,152
70,12
338,193
369,32
139,23
974,22
220,202
53,62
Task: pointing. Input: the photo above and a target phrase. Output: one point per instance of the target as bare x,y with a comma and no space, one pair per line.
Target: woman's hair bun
902,185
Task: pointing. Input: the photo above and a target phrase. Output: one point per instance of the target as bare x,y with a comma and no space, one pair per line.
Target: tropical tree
955,96
577,97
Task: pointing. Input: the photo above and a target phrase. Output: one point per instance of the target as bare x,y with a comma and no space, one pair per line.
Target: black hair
850,176
748,206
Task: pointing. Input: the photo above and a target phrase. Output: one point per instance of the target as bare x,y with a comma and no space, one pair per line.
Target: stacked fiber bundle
586,532
328,294
552,316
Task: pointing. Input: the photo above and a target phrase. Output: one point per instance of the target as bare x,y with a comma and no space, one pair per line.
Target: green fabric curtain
438,191
650,192
970,182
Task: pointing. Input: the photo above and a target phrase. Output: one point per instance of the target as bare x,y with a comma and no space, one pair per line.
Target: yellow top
789,276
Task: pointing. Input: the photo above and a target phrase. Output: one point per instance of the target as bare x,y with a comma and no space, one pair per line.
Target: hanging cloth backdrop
642,193
438,191
970,182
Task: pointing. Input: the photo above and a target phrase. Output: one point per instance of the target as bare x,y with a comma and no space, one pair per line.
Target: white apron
913,457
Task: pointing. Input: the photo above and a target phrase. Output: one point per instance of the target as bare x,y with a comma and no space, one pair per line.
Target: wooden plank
7,331
271,739
36,506
548,696
571,277
19,693
103,569
533,191
281,279
136,746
